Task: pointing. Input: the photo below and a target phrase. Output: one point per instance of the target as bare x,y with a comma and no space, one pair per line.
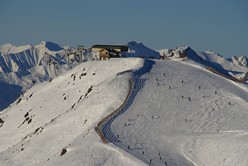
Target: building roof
123,48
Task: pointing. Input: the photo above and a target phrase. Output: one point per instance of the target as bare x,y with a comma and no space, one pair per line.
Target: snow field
178,105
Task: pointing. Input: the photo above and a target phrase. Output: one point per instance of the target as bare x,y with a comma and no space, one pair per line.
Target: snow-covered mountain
21,67
211,60
140,50
178,52
168,112
239,60
11,49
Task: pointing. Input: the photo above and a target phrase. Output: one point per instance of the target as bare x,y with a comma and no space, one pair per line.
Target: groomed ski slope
185,115
136,84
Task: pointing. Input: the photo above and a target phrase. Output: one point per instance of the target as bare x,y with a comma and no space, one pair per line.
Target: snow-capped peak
240,60
140,50
210,52
177,52
11,49
50,46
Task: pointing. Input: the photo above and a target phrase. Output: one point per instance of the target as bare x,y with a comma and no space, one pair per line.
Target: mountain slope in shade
9,93
52,46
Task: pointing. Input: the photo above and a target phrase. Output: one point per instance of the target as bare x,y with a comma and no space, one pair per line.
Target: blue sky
218,25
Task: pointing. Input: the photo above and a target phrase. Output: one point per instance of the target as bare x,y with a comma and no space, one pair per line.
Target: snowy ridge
222,65
211,60
178,52
50,46
239,60
11,49
139,50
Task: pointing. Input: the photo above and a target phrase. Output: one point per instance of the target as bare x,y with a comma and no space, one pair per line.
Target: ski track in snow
106,127
138,84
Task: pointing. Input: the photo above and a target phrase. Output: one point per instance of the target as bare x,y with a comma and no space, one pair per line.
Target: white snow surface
178,114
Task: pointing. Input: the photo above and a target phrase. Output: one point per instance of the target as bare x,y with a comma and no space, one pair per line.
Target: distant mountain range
239,60
23,66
